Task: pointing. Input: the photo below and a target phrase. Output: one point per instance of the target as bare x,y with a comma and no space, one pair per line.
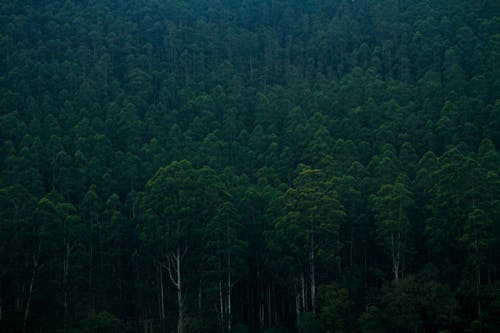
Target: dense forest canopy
250,166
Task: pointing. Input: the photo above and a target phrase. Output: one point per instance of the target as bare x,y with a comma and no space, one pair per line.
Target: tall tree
311,217
179,200
392,206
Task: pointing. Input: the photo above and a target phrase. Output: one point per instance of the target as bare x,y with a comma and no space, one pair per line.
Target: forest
250,166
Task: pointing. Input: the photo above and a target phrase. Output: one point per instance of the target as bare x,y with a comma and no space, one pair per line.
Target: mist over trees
249,166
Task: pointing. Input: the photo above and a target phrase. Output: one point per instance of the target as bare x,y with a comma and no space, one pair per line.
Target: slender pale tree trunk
478,279
221,305
162,297
261,302
313,277
36,256
229,287
174,272
91,259
180,325
269,312
221,297
65,279
303,282
297,298
351,245
199,296
478,291
395,259
261,316
275,306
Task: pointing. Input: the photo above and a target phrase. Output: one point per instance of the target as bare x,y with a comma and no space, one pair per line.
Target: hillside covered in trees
250,166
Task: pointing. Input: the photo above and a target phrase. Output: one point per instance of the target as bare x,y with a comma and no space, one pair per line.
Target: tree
111,241
91,210
170,195
44,250
17,271
419,302
179,200
224,252
73,258
392,204
334,311
478,237
311,218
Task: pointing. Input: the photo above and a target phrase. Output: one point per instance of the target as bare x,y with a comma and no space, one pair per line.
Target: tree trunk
478,280
351,246
91,258
65,281
180,323
32,282
275,306
221,298
478,291
174,266
398,255
313,278
269,310
303,292
297,299
162,297
261,316
221,306
199,296
229,291
395,262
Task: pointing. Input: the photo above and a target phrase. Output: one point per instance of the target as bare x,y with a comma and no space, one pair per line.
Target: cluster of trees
249,166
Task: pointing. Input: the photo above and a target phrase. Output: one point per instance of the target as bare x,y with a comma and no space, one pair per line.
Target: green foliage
307,323
277,330
303,162
418,302
334,308
392,205
312,211
99,322
371,320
